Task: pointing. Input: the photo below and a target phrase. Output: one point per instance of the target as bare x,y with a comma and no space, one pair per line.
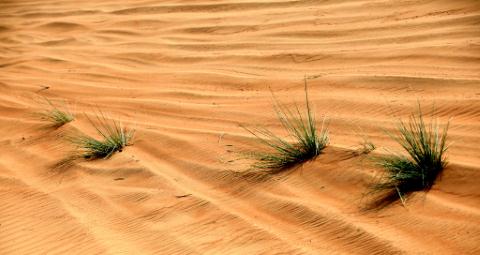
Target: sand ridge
185,75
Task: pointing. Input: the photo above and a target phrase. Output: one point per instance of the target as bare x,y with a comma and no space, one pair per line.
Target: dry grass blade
366,146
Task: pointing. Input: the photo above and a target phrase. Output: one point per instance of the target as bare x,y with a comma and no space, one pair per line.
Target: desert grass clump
56,116
113,138
425,145
308,141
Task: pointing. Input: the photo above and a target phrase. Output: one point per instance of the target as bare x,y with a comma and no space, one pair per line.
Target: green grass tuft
425,145
114,137
55,115
283,154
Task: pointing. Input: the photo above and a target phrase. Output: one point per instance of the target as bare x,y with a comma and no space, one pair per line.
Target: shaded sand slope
185,74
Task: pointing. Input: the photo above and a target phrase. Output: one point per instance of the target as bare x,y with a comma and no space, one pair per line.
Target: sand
186,75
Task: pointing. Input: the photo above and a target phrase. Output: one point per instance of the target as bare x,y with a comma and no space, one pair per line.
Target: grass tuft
55,115
307,143
425,145
113,138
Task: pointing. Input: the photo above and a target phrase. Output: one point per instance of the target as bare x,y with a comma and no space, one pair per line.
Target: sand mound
60,27
185,74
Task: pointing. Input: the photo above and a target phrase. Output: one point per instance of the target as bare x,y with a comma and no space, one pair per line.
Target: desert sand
186,75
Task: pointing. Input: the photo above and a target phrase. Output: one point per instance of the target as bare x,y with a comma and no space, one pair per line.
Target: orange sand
185,74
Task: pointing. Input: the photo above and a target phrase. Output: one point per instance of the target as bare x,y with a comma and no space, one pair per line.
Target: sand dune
185,74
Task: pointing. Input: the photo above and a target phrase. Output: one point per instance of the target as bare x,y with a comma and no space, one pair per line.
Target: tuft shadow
266,175
253,176
66,163
70,161
382,201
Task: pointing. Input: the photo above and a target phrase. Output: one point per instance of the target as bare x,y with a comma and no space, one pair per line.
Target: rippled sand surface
186,75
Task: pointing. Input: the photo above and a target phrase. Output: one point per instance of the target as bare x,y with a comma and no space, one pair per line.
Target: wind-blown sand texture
186,74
